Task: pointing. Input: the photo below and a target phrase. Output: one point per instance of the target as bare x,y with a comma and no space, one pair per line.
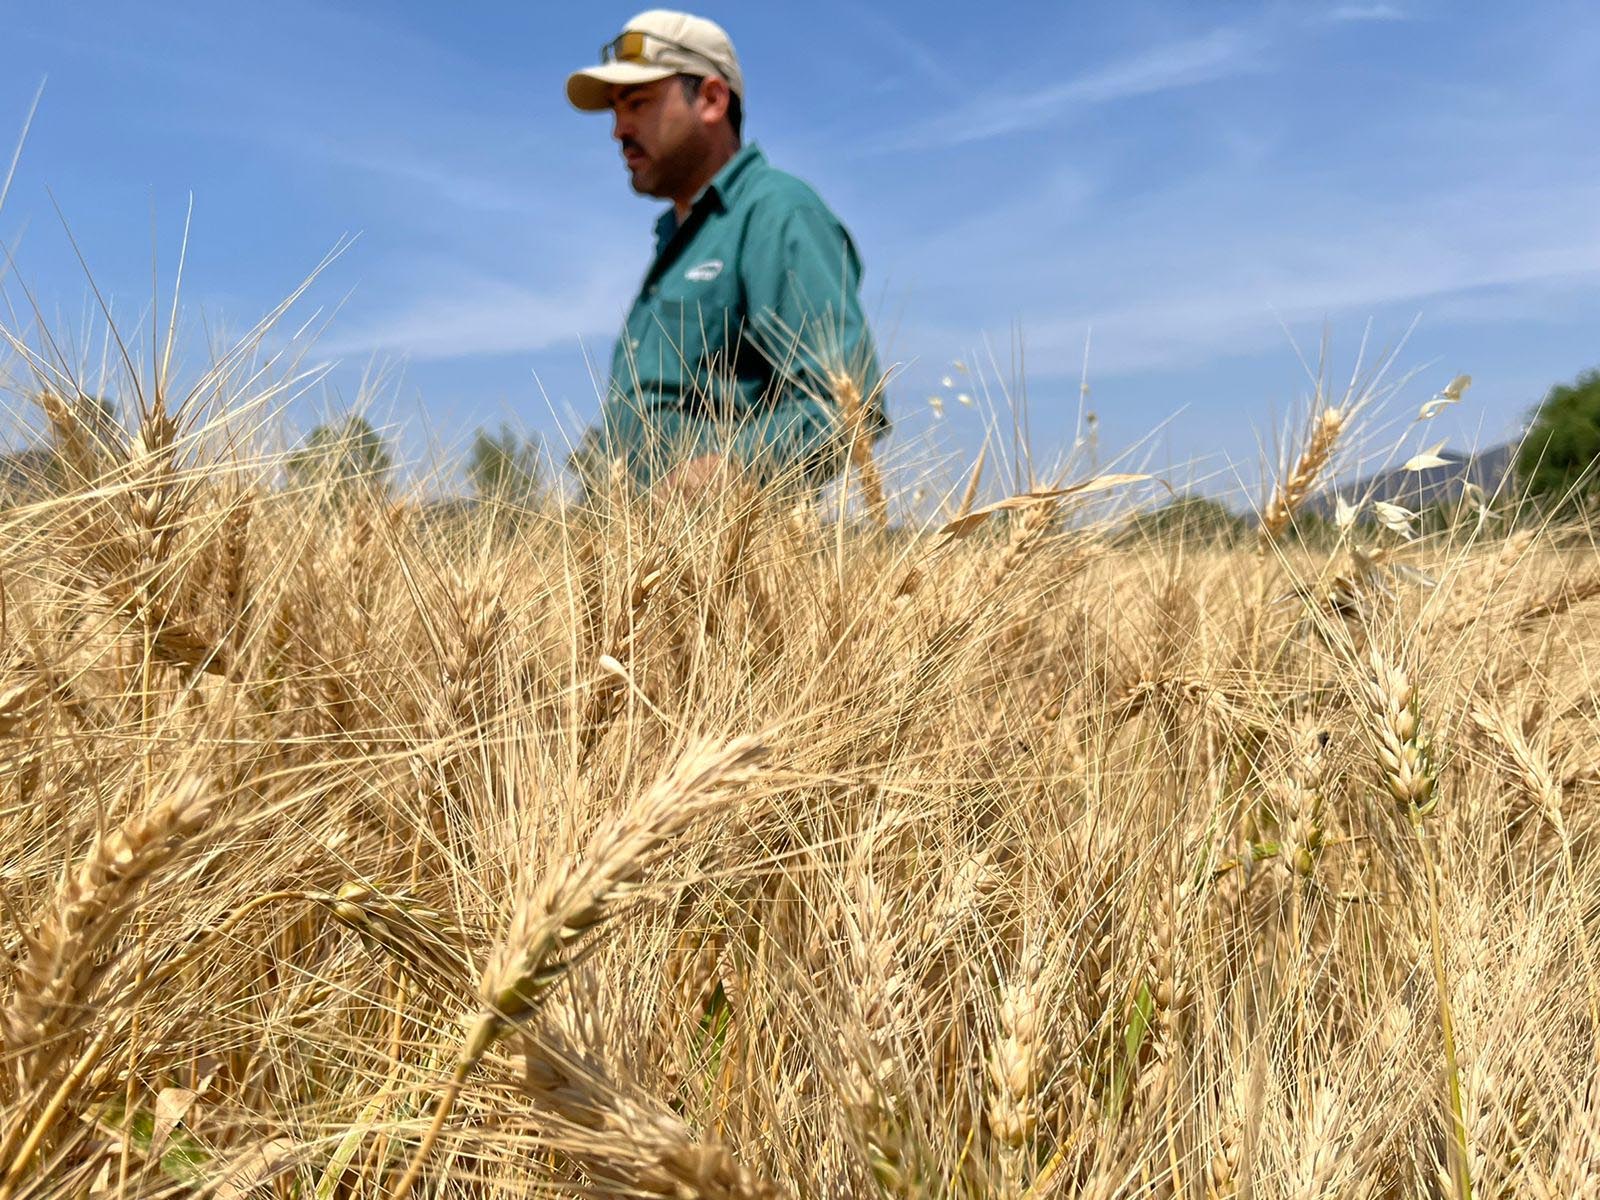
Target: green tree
503,467
344,457
1556,461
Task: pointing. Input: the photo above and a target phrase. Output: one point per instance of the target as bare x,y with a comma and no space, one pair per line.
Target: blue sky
1203,186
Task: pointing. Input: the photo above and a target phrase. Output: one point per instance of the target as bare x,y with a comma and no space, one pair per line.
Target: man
745,350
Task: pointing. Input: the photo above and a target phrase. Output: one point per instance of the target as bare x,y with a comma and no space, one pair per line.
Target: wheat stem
46,1118
477,1042
1447,1026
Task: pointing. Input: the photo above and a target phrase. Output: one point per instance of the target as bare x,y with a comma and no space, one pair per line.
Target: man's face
662,134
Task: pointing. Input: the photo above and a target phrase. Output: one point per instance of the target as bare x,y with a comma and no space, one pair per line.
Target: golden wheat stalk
556,925
548,931
1293,490
1538,777
428,945
480,629
607,687
91,905
63,955
847,395
1404,751
630,1144
1409,773
1015,1059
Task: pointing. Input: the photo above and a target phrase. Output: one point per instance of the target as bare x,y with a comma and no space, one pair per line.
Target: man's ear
712,101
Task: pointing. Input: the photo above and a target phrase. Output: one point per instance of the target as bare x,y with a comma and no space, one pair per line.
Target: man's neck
683,202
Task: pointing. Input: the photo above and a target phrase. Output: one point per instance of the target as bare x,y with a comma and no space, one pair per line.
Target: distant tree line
1557,466
341,460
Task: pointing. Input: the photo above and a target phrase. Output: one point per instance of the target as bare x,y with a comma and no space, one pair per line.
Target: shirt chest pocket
701,312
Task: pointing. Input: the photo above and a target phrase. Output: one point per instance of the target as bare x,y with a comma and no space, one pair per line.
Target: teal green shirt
748,306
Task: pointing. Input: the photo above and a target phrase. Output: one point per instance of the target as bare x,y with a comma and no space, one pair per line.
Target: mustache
630,144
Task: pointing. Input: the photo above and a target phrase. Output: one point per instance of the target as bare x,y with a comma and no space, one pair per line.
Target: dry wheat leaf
1428,459
172,1105
969,494
1394,516
345,1151
1413,575
961,526
255,1166
1452,393
909,584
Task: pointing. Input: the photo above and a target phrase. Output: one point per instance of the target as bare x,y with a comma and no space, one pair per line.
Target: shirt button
633,344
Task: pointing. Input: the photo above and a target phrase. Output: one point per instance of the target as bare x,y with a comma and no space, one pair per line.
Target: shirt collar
721,191
725,184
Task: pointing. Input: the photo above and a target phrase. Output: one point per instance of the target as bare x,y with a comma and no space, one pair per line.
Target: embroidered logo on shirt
704,272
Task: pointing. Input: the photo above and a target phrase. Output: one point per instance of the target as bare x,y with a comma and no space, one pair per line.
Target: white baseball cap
657,45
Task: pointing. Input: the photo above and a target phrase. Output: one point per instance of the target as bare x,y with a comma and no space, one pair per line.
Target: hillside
1487,470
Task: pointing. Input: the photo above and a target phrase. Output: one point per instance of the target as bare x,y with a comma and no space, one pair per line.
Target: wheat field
728,849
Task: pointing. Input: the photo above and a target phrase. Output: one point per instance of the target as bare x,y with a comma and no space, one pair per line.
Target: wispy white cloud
1234,321
459,188
1216,55
477,314
902,46
1220,54
1203,277
1367,12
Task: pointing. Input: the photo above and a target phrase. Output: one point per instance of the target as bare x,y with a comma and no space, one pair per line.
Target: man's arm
804,316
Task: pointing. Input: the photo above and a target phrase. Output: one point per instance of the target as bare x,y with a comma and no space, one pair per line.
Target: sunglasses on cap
629,46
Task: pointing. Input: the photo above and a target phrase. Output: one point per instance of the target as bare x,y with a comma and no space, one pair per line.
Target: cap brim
590,89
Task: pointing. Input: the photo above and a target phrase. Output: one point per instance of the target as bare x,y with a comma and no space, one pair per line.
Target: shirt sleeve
801,282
